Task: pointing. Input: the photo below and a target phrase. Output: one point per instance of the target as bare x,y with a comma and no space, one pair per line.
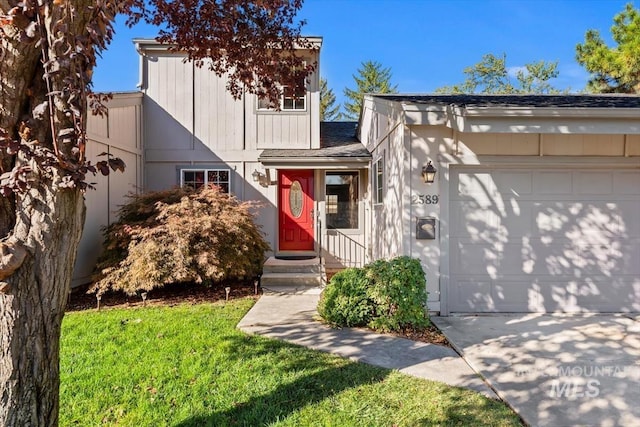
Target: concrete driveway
556,370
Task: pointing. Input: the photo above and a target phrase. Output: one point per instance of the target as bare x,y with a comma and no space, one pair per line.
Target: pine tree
614,69
329,111
371,78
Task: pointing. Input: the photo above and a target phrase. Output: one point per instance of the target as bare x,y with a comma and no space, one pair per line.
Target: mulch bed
431,335
189,293
192,293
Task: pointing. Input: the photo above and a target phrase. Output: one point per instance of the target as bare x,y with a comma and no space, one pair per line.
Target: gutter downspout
141,66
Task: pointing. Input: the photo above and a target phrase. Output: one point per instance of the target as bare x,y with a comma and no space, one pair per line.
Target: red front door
295,199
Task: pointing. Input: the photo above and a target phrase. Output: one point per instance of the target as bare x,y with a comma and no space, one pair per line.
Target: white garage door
538,240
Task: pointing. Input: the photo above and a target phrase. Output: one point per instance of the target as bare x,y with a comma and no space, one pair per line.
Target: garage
533,201
544,239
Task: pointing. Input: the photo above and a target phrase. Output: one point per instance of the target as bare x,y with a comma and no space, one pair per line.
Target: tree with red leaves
48,49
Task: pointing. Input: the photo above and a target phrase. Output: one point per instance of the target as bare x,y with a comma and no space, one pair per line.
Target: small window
289,101
292,100
197,178
341,200
378,181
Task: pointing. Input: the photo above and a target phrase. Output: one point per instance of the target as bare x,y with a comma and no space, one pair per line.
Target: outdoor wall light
260,178
428,173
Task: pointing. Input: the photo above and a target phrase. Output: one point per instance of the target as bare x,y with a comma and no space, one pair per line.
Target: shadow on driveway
556,370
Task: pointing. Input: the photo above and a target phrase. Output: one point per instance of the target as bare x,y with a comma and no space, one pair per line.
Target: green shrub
344,301
385,295
179,235
398,290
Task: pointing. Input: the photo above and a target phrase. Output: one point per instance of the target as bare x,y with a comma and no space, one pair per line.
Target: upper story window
197,178
378,180
289,101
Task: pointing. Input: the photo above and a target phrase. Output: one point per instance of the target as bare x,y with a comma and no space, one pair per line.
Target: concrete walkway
290,317
556,370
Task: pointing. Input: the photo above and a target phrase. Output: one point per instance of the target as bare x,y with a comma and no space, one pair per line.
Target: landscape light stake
227,290
144,298
255,286
98,297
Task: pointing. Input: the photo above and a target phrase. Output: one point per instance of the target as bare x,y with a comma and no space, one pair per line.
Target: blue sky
426,43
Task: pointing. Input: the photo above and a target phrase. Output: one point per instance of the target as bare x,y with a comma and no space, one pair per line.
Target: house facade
535,203
512,203
308,178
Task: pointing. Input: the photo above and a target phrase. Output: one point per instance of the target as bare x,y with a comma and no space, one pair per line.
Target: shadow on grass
318,377
289,398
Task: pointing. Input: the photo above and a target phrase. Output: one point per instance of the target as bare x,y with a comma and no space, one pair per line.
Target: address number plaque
425,199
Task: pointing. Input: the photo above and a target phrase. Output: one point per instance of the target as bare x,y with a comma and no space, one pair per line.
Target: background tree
371,78
491,76
48,50
329,111
614,69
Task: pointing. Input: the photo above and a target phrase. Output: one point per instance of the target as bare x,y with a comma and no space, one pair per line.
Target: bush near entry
386,295
180,235
344,301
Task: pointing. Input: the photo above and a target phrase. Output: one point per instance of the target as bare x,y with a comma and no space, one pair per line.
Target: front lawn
188,365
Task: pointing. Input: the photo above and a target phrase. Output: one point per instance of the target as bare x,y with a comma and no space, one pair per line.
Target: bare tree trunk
40,230
49,224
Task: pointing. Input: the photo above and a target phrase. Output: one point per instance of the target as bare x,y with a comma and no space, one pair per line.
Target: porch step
295,276
274,265
294,279
292,290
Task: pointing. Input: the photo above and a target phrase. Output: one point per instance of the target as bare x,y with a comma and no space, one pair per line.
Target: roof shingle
539,101
337,139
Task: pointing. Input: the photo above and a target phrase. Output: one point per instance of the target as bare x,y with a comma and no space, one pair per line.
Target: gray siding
118,134
191,121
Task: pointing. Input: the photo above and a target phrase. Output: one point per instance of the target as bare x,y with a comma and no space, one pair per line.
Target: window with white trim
197,178
378,181
289,101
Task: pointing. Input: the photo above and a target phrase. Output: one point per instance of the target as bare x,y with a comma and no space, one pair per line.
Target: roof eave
360,162
152,45
550,112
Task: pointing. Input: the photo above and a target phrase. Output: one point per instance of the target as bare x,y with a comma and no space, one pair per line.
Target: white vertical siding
314,104
119,135
168,106
282,130
388,218
219,120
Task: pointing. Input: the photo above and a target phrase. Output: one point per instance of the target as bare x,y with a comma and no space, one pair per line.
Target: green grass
188,365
